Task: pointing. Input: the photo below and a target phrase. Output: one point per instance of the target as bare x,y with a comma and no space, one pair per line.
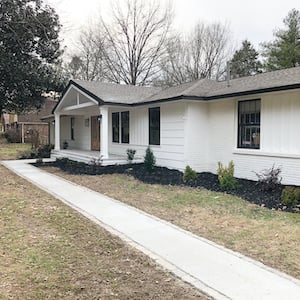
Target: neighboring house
253,121
8,121
39,120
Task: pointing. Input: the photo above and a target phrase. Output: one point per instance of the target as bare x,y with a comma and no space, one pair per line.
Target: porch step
90,157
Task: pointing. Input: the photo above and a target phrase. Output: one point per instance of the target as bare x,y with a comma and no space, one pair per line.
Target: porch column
57,131
104,132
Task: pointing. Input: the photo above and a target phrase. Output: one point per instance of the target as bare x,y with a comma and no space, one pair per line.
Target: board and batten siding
280,139
82,133
280,136
170,152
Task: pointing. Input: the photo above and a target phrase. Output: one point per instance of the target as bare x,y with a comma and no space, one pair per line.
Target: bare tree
202,54
135,41
88,62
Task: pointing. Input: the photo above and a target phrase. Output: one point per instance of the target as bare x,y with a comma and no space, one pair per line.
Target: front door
95,134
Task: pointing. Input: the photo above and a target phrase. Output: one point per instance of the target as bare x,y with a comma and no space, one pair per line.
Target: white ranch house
254,121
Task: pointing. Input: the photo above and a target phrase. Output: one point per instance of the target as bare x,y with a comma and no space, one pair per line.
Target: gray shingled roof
204,88
268,80
117,93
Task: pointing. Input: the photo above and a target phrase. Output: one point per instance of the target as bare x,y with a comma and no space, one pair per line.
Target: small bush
189,174
269,179
290,196
12,136
39,160
44,151
226,176
149,160
130,155
27,154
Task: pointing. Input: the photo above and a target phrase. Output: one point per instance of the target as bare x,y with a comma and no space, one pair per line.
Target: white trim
79,91
104,132
57,131
86,95
257,152
78,106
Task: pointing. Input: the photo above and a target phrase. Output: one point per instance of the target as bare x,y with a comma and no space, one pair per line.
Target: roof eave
252,92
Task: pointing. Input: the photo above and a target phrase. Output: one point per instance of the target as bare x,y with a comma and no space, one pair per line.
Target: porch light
99,118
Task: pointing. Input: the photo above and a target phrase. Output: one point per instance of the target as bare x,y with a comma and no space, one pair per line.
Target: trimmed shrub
149,160
226,176
269,179
130,155
290,196
12,136
189,174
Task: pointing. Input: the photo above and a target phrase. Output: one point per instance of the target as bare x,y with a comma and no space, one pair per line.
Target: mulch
248,190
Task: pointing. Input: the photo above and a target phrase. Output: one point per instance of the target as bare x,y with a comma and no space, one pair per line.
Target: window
115,127
72,128
154,126
249,124
125,127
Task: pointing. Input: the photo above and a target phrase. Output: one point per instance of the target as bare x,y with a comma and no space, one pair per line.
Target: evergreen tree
29,53
245,61
284,51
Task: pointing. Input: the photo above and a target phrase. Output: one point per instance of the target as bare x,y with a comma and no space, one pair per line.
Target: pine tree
284,51
245,61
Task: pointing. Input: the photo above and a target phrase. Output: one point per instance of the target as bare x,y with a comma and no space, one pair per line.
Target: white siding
222,132
82,134
65,129
197,137
211,136
280,143
170,152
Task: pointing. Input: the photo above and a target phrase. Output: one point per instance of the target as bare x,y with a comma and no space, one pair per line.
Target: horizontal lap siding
247,165
170,152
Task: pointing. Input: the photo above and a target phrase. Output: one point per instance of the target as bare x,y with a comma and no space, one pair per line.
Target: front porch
91,157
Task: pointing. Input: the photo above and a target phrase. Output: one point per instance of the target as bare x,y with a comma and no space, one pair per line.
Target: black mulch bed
247,189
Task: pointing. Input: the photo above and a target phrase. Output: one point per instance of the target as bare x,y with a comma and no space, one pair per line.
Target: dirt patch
272,237
49,251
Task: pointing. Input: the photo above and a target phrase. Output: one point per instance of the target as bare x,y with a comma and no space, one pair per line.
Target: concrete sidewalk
217,271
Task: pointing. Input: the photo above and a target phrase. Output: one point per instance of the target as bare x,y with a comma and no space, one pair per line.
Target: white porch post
57,131
104,132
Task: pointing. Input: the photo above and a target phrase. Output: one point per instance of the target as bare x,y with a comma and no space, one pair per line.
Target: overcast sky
254,20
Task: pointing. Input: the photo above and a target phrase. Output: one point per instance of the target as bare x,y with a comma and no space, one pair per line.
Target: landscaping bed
247,189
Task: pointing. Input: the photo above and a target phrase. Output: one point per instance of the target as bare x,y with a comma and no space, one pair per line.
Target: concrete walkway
219,272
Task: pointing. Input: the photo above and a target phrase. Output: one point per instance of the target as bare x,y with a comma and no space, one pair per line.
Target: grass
272,237
11,151
49,251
